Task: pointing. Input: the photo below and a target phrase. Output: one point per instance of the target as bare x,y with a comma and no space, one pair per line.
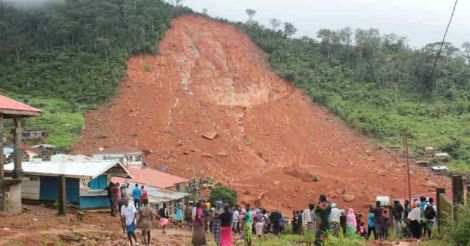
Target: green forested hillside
379,85
70,55
73,53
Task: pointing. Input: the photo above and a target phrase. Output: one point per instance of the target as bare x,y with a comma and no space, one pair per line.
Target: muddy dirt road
273,145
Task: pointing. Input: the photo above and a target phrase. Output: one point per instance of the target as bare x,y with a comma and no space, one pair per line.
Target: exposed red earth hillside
263,136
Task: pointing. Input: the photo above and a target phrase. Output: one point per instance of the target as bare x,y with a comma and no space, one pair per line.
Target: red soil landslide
262,136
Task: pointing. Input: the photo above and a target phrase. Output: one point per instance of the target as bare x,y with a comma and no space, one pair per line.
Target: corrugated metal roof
76,169
66,157
153,177
10,106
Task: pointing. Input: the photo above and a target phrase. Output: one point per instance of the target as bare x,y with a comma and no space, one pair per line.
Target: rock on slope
262,136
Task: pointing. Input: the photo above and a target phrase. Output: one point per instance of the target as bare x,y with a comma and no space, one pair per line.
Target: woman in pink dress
226,227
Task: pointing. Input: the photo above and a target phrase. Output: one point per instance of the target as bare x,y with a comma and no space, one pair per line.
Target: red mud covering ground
274,146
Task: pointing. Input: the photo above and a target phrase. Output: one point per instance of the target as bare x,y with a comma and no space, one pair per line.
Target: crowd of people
223,221
138,213
413,219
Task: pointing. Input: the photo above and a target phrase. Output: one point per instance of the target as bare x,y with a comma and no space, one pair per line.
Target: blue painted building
85,181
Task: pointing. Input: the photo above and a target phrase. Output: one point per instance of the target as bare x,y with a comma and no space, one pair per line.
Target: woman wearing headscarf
199,231
216,221
226,227
259,223
335,219
179,212
351,223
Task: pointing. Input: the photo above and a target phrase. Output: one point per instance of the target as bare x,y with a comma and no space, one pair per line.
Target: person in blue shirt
371,224
137,194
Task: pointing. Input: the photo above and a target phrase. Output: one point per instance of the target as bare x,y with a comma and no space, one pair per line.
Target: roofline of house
10,113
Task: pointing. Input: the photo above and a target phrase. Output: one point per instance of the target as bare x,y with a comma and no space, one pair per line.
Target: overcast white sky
420,21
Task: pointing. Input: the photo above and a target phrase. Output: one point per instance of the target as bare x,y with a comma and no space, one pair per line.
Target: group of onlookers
119,195
137,214
409,220
222,220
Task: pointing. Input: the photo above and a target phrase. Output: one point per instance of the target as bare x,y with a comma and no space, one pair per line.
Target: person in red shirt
144,195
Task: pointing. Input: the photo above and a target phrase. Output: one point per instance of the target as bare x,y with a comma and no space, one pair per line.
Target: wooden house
85,181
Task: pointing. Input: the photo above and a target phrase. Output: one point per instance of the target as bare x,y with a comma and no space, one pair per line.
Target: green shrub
458,233
224,194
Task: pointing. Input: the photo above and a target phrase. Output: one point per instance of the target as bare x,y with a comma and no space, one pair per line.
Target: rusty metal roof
152,177
10,107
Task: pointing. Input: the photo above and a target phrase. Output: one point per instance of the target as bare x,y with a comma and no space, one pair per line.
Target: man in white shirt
306,219
235,227
335,216
129,214
414,217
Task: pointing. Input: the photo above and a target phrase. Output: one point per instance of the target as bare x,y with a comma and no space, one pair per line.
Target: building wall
30,189
49,189
93,202
99,183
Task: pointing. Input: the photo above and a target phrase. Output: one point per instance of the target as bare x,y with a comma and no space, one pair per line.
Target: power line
438,55
405,131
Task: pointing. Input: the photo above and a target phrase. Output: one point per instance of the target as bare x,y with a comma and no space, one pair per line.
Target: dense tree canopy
70,55
378,84
77,50
73,53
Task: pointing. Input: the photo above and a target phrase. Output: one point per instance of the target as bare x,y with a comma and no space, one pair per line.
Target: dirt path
42,226
210,76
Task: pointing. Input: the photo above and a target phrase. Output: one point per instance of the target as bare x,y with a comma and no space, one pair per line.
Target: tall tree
251,13
289,29
466,50
275,23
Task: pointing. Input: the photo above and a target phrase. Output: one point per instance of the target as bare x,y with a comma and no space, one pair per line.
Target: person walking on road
164,217
146,216
129,215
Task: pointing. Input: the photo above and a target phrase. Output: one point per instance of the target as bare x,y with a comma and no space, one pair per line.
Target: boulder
206,155
348,197
222,154
211,135
340,191
302,174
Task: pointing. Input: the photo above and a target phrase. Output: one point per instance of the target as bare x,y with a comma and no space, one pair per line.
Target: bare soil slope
274,146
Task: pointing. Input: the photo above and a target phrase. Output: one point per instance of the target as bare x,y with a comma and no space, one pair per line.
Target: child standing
363,230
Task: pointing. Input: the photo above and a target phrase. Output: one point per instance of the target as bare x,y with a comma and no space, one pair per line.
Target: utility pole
405,142
62,195
2,173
